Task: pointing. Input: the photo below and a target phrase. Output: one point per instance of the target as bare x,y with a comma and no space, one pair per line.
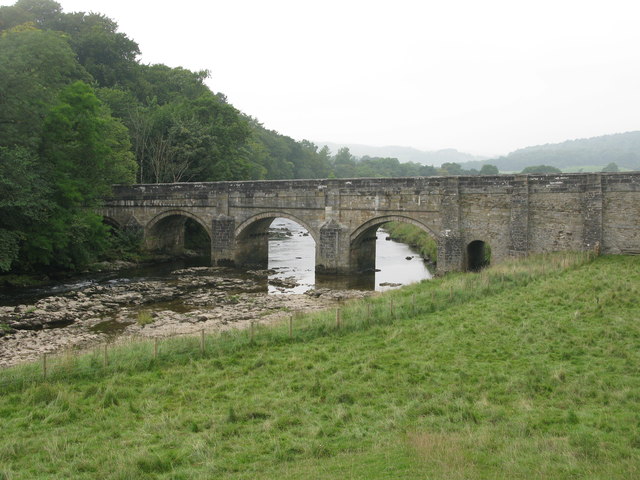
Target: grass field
526,370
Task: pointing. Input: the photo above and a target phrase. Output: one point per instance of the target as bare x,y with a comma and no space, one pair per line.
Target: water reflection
292,256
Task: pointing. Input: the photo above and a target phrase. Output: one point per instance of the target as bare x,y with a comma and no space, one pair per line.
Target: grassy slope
525,371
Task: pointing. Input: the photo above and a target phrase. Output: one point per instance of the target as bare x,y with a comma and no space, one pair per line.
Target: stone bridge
513,214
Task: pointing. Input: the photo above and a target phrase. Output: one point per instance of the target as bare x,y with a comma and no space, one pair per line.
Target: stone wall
514,214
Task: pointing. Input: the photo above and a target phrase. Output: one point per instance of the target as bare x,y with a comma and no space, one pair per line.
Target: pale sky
481,76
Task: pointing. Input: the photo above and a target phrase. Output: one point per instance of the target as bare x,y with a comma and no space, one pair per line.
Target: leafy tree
84,151
541,169
488,169
23,202
611,167
451,168
34,66
108,55
41,13
344,164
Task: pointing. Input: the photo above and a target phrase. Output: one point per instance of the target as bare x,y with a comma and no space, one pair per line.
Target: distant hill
586,153
406,154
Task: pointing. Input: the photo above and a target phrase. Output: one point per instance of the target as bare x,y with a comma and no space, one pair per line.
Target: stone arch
111,222
477,255
362,241
252,238
151,224
170,238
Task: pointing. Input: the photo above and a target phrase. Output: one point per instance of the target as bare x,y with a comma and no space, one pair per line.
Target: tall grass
424,298
525,370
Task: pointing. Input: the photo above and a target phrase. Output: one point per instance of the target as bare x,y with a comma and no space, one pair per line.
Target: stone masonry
514,214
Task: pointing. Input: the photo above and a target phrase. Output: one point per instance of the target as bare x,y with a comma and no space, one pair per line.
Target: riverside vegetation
80,113
528,369
415,237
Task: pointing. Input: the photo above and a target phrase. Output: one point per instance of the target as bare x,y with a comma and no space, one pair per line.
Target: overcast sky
482,76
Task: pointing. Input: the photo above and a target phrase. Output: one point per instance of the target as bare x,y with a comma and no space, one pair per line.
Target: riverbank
415,238
191,300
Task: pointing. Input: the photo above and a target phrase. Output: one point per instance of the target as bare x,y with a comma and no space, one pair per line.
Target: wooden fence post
44,365
155,347
106,358
202,341
338,317
291,326
251,331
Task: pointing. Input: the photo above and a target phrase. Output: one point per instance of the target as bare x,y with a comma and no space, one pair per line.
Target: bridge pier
513,214
362,254
450,253
332,249
223,240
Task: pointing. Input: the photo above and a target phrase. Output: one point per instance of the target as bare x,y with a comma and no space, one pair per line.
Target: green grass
526,370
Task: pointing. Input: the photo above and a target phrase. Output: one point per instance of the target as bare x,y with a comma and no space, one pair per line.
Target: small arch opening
478,255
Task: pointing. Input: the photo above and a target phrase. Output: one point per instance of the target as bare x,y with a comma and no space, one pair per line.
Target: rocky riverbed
194,299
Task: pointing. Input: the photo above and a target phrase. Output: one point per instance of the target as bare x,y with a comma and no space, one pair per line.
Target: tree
41,13
34,66
344,164
541,169
23,201
108,55
84,151
451,168
488,169
611,167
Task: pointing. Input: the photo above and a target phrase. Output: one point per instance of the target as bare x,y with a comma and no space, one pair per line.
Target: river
294,256
291,257
188,296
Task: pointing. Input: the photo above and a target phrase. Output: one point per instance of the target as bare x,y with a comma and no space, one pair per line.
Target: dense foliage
79,112
60,147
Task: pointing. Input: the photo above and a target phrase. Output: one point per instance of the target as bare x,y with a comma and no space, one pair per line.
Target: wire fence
139,354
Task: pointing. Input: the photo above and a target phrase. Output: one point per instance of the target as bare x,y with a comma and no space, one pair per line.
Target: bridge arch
166,231
362,241
252,237
111,222
477,255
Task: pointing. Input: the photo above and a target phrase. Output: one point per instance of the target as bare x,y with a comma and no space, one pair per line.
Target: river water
170,298
292,254
291,262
